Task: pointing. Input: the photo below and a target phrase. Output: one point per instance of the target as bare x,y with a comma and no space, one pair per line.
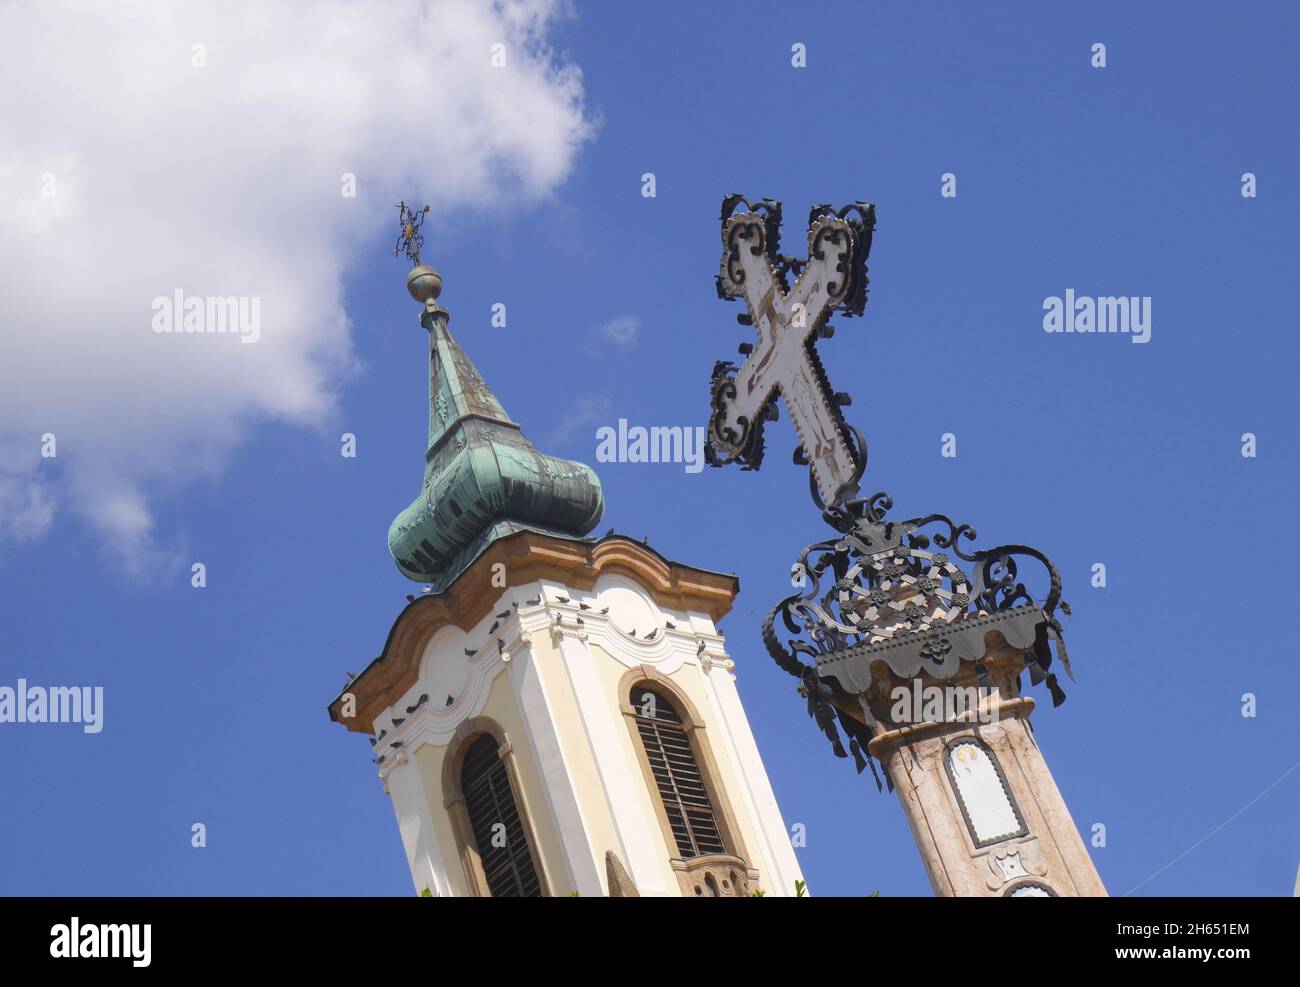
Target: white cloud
225,180
25,509
621,333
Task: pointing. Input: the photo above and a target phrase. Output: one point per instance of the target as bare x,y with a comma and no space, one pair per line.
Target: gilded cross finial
410,240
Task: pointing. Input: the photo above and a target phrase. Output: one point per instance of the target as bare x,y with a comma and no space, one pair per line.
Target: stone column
986,814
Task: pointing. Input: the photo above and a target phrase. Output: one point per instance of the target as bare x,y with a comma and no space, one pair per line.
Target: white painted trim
415,823
434,723
637,848
755,788
667,652
557,779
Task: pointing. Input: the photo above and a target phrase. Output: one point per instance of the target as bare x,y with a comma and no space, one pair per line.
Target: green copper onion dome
483,479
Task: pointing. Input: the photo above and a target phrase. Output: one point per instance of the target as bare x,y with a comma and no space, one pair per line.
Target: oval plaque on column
986,803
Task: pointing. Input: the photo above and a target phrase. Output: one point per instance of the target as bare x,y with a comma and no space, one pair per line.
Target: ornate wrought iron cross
410,240
897,592
788,319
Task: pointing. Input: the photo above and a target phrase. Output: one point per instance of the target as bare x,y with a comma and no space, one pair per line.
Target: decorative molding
884,744
648,676
1007,862
715,875
436,724
708,660
560,630
527,557
668,650
390,765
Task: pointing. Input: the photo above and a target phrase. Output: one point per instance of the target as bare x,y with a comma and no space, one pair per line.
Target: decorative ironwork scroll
788,317
410,240
916,595
913,594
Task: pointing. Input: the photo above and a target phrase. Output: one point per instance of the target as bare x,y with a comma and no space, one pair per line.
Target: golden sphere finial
424,283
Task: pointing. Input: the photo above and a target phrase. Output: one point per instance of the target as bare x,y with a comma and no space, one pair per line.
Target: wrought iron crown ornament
913,594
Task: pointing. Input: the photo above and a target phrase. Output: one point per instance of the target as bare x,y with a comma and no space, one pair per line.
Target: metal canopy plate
937,653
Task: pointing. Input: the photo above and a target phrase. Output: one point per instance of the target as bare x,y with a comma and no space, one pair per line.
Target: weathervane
410,240
898,593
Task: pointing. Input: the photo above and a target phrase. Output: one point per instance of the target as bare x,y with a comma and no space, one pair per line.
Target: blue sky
1117,181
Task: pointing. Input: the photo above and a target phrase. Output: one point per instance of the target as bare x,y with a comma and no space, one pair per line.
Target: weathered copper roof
483,479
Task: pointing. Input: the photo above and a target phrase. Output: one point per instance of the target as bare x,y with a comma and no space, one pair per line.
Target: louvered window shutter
509,869
677,775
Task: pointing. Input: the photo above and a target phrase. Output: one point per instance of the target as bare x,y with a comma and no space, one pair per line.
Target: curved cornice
523,558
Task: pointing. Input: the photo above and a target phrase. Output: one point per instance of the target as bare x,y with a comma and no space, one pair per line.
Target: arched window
503,848
676,772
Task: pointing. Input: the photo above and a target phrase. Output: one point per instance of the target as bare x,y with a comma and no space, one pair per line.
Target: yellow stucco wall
503,707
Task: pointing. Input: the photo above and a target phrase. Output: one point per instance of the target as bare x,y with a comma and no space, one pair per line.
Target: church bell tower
556,714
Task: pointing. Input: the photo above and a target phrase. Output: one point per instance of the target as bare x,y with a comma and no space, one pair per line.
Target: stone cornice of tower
431,724
527,556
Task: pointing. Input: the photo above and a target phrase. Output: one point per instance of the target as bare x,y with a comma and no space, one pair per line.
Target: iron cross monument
886,605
